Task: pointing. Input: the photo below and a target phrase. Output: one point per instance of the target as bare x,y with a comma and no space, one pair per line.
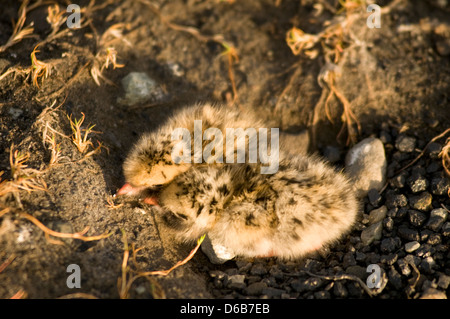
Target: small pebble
389,259
445,231
416,218
396,200
444,281
433,150
388,223
390,244
255,289
236,282
399,181
258,269
440,185
372,233
140,88
421,202
405,143
417,183
408,233
437,219
412,246
404,267
377,215
427,265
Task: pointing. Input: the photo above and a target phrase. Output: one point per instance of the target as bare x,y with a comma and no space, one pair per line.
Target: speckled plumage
301,208
150,161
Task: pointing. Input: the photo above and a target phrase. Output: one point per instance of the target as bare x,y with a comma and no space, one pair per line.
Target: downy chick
303,207
150,162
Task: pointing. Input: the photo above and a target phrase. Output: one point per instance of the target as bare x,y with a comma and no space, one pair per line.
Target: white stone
217,254
366,164
412,246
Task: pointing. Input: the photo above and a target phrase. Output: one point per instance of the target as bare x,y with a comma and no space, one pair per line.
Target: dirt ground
397,76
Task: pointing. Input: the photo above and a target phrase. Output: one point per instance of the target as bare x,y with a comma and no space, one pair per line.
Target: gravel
404,228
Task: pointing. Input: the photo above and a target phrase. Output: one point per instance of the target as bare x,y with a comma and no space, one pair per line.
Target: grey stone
427,265
405,144
15,113
408,233
404,267
255,289
445,231
396,200
388,223
140,88
443,281
439,185
433,150
390,244
217,254
412,246
434,239
399,180
416,218
366,164
360,256
425,250
372,233
417,183
421,202
389,259
236,282
377,215
258,269
437,219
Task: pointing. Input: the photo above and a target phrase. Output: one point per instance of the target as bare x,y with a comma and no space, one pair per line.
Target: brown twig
48,231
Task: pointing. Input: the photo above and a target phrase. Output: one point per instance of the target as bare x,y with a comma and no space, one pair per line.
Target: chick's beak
129,190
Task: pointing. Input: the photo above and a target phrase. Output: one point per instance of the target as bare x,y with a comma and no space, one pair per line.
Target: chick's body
301,208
